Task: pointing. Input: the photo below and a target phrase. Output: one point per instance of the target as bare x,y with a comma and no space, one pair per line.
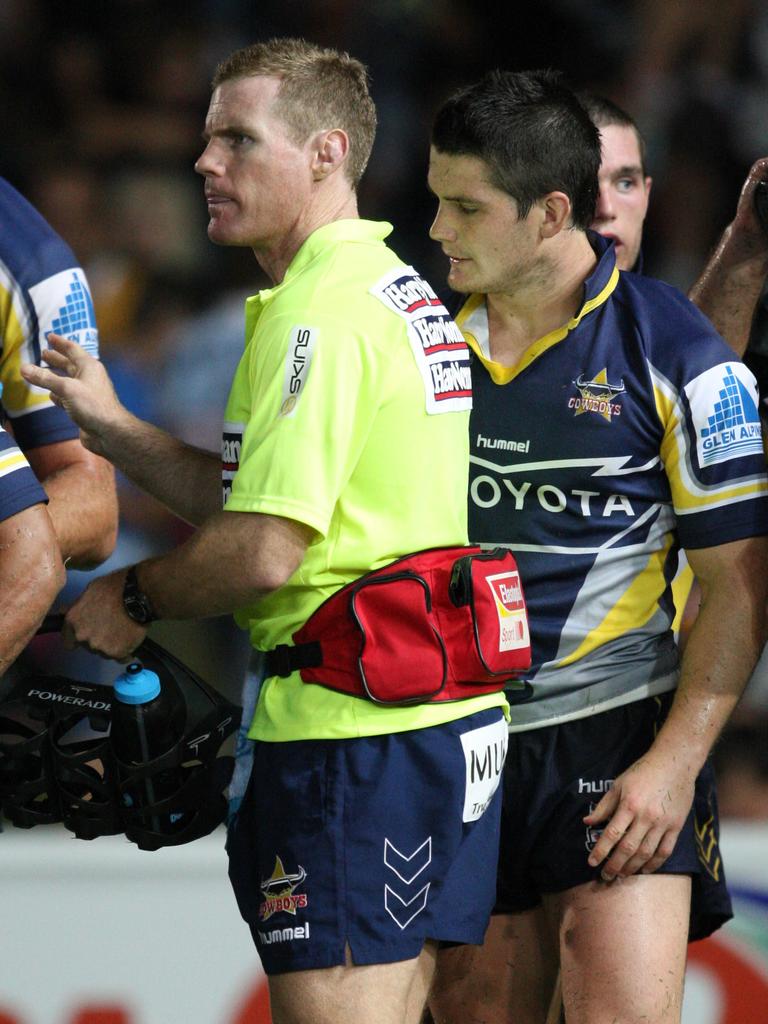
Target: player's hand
644,811
81,386
98,620
747,231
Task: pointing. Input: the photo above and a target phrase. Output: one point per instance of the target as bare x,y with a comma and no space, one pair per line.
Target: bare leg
375,994
507,980
421,984
555,1014
623,949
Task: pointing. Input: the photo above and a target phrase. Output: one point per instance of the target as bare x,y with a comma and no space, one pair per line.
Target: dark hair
321,89
605,112
533,134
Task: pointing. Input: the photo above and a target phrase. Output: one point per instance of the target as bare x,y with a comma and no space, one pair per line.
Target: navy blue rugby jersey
42,289
625,435
19,488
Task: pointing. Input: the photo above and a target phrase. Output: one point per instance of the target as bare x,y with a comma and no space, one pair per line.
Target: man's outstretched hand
80,384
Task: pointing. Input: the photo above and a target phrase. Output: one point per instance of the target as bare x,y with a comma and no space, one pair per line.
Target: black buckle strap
285,659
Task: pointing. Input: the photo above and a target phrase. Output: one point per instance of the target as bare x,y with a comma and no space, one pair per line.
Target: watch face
136,604
137,608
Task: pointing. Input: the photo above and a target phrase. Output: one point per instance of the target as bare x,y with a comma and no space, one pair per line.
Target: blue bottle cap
137,685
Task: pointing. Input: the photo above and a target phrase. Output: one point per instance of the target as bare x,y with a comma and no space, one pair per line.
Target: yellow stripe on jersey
19,397
681,590
11,460
688,495
504,374
633,609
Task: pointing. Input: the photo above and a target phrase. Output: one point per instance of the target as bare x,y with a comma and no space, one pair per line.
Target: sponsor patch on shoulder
723,404
298,360
64,306
441,353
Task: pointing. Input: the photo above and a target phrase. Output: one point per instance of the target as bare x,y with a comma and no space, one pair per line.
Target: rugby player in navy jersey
606,414
31,567
72,517
730,285
43,289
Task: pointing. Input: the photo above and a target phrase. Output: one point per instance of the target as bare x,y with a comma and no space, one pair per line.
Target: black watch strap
136,603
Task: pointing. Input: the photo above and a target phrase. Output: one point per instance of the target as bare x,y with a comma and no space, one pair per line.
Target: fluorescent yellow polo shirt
349,412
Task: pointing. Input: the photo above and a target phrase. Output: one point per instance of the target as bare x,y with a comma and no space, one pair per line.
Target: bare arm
234,559
185,479
82,501
647,805
32,574
731,283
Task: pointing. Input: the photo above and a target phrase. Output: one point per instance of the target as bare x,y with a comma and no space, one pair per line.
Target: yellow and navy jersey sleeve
42,289
19,487
712,448
630,435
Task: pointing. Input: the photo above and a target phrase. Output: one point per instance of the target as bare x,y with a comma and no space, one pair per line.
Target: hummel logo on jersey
285,934
597,395
595,785
723,403
502,445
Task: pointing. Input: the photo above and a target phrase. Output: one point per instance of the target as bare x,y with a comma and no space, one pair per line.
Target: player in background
731,284
600,440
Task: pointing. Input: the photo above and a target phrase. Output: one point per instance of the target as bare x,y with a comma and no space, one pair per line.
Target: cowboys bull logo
597,395
278,892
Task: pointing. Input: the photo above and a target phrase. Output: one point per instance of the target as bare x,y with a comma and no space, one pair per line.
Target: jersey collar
348,230
333,233
337,231
473,316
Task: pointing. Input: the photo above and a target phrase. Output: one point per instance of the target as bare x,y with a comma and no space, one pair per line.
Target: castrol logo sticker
510,608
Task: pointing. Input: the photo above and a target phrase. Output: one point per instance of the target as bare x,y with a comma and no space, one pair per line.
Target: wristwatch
136,603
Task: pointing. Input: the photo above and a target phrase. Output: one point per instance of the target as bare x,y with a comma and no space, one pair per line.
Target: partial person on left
42,290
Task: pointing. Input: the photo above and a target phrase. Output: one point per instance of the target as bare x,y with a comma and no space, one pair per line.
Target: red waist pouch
441,624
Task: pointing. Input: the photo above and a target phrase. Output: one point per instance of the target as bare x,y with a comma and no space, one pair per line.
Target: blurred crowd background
102,103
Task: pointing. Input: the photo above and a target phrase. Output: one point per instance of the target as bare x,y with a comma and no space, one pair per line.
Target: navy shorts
376,844
555,775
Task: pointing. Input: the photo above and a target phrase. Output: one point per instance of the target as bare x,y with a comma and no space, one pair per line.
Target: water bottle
147,721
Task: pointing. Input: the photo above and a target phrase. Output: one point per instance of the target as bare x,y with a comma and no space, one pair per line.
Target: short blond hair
321,89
